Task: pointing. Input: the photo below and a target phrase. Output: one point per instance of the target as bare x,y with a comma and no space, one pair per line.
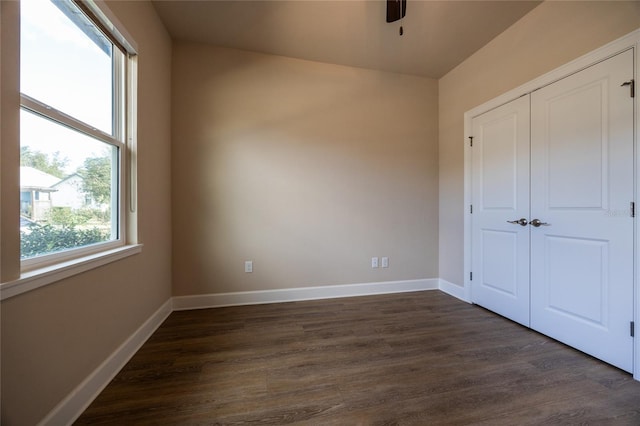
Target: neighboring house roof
34,179
71,177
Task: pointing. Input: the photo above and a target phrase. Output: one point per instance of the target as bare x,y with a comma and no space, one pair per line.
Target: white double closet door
561,158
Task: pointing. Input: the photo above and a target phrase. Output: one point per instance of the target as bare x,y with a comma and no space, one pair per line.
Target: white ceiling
438,35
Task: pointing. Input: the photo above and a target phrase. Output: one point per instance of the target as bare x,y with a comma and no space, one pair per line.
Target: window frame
32,273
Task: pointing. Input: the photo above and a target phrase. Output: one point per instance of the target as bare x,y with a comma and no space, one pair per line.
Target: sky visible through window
65,69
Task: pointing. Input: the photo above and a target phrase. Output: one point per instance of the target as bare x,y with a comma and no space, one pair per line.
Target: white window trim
107,18
47,275
59,266
60,117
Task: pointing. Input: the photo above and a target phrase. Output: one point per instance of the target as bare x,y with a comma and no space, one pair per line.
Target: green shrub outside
44,239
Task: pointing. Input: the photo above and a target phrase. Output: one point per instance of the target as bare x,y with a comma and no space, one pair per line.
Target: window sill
41,277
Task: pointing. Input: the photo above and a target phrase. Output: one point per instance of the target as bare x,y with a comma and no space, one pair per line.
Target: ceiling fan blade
396,9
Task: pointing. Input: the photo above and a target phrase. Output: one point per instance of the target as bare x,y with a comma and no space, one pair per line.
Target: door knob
521,222
536,223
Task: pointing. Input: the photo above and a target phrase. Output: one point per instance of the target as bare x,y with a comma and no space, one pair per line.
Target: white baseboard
70,408
218,300
453,290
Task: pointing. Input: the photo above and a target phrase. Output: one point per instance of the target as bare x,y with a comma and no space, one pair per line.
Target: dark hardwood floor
415,358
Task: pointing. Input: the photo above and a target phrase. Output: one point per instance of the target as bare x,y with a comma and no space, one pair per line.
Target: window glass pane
68,188
66,62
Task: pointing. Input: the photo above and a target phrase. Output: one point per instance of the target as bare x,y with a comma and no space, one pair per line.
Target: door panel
582,186
577,284
500,192
499,261
575,143
498,161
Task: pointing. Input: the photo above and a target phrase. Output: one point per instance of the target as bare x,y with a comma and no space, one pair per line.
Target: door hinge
632,329
632,87
633,209
470,276
470,208
470,140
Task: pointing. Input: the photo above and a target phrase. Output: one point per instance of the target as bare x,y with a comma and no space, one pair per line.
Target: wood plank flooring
420,358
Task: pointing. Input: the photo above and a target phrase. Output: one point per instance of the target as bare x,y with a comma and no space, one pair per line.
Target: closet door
500,198
582,171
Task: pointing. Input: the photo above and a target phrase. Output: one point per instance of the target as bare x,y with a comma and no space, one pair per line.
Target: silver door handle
536,223
521,222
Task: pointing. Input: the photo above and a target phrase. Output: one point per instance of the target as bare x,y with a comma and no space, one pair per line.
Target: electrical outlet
248,266
385,262
374,262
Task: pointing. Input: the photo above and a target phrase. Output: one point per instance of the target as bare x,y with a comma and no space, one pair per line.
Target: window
73,141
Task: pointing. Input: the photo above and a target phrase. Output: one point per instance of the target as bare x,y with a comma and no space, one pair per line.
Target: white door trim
631,40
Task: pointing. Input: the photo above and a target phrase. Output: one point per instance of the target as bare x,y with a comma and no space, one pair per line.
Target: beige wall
54,337
308,169
551,35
